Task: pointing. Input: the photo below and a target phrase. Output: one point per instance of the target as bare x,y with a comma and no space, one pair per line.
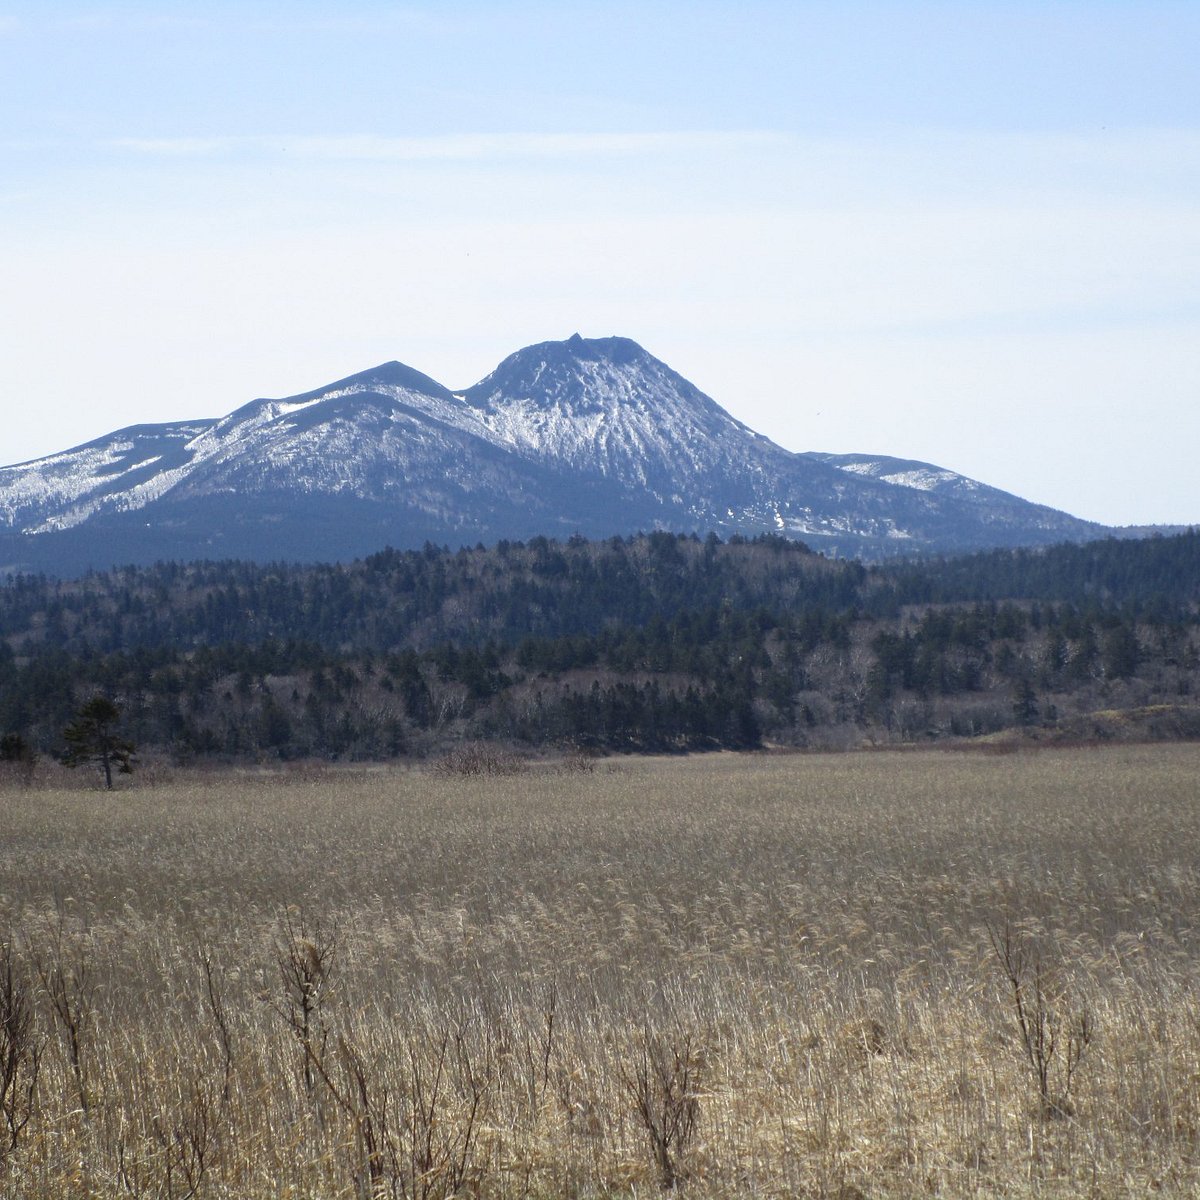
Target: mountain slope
595,436
119,471
993,506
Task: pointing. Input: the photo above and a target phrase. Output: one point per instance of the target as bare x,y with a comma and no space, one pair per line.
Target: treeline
421,598
1154,576
655,643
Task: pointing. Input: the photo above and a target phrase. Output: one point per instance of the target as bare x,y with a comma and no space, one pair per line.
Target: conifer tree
92,737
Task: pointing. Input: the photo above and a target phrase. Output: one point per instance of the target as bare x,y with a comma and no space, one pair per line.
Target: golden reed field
863,975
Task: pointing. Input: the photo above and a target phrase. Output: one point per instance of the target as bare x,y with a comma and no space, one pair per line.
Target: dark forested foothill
658,642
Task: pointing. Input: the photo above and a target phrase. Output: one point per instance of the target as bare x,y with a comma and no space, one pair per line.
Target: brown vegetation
857,976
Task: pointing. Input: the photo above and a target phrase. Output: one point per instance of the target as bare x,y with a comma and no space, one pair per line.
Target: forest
654,643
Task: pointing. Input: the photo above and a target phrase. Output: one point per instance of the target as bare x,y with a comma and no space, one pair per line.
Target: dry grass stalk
1054,1033
305,953
20,1052
68,983
662,1085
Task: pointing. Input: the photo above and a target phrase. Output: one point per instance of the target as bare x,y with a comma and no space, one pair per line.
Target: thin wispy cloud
181,147
974,154
450,147
433,22
379,22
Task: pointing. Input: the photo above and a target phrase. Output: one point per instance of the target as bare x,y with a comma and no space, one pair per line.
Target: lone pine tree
93,737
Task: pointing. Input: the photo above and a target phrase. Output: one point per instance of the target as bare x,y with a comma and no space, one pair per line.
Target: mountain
594,436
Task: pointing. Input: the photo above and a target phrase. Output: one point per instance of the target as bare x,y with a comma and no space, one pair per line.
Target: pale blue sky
967,233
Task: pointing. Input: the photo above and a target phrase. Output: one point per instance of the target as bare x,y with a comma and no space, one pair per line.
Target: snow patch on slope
918,476
922,479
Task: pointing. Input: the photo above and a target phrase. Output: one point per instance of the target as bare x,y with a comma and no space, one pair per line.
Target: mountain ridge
583,435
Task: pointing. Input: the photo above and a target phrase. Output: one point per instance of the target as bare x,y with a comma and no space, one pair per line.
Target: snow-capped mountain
590,436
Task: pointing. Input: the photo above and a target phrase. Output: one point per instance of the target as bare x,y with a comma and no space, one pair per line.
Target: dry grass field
869,975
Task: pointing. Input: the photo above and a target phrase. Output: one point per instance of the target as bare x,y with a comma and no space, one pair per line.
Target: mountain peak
566,368
391,374
619,350
616,349
607,408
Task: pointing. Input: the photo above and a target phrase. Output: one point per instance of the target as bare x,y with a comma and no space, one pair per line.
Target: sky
966,233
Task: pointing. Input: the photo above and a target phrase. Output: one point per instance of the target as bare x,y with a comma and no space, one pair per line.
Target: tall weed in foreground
20,1052
663,1086
1055,1028
305,952
63,961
